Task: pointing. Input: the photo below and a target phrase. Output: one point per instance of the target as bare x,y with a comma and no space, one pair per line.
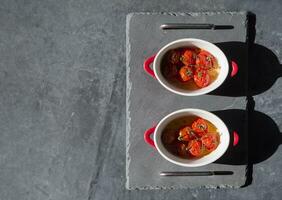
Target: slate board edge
222,186
193,14
128,89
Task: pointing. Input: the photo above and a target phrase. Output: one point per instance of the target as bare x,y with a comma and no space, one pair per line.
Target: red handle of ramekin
235,68
147,137
147,67
235,138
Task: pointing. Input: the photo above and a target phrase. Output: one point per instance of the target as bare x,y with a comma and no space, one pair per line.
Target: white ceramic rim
186,42
213,156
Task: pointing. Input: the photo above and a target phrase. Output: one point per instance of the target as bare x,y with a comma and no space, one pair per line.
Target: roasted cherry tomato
200,126
195,148
210,141
175,57
169,137
182,149
205,60
201,78
186,134
186,73
188,57
170,70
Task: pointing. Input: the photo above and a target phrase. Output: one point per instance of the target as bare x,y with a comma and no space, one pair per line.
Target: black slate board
148,102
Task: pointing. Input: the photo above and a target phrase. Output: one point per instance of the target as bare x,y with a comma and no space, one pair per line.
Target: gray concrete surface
62,102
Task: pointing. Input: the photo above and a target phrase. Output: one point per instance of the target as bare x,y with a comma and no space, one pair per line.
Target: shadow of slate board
147,101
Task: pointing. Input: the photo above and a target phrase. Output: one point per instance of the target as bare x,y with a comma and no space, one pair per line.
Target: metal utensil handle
199,173
186,26
186,173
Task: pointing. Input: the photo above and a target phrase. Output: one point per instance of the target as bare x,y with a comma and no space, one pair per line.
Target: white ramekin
196,162
189,42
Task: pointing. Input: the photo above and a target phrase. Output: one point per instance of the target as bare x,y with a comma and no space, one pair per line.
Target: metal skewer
197,173
171,26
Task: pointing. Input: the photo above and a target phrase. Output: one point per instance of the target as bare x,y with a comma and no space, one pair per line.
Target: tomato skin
200,126
182,150
186,73
173,70
175,57
170,70
186,134
210,141
195,148
188,57
205,60
201,78
169,137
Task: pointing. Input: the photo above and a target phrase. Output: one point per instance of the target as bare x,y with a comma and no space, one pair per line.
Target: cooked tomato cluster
196,140
192,64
